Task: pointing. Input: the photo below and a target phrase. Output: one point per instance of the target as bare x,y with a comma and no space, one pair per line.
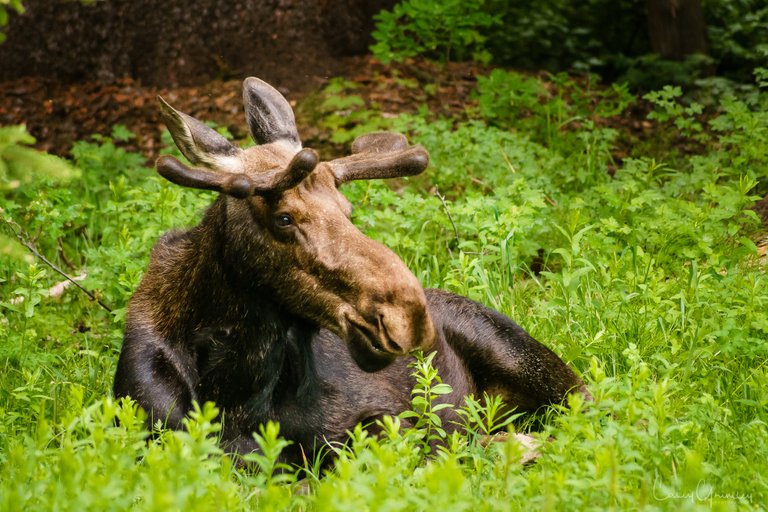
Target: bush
604,36
446,30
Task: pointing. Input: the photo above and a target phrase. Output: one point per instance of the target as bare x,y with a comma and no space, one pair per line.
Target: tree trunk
676,28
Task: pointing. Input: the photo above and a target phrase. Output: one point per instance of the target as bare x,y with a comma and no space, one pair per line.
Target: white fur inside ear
223,163
226,163
201,144
288,145
184,140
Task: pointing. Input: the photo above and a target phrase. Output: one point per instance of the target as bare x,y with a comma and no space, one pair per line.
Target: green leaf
442,389
122,133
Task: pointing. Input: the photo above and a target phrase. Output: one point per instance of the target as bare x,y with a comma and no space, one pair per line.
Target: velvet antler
239,185
380,155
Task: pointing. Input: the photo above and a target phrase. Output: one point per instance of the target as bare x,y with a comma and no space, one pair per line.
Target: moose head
288,227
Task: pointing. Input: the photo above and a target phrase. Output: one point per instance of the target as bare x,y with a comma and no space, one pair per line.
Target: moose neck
235,331
202,289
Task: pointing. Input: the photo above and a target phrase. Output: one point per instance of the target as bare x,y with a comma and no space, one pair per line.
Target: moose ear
201,144
269,115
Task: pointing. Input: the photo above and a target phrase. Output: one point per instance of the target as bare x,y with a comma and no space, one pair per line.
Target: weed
428,388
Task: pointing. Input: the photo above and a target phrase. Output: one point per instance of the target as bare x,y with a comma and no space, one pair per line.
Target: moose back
277,308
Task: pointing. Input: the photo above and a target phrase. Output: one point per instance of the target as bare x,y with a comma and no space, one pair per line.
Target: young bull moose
277,308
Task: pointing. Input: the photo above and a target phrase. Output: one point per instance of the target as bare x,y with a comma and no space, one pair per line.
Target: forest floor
58,114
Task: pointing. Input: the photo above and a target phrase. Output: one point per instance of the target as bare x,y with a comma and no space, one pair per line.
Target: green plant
547,110
506,97
670,108
21,166
446,30
603,36
486,416
345,115
5,6
644,278
424,402
737,33
270,473
649,71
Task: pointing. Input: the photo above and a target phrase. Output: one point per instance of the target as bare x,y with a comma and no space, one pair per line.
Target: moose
276,307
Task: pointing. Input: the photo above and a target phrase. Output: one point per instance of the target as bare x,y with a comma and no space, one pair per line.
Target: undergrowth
647,279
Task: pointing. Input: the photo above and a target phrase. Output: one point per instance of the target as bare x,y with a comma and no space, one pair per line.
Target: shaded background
178,42
71,68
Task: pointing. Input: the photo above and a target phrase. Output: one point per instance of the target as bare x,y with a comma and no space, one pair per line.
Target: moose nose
388,337
402,332
384,327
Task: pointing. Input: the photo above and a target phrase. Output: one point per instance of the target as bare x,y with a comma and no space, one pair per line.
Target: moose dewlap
276,307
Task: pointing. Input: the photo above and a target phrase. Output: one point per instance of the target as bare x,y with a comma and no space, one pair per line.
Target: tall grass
646,281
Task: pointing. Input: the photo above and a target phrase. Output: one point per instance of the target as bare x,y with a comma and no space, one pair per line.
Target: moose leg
500,357
158,377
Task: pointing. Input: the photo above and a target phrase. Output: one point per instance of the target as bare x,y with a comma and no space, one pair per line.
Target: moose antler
380,155
239,185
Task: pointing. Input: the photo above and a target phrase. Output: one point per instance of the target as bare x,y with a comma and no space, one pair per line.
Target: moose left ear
200,144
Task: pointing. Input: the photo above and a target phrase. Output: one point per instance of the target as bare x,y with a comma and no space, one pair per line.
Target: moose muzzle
390,317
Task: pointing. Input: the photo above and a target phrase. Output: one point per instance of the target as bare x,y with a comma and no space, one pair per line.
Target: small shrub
446,30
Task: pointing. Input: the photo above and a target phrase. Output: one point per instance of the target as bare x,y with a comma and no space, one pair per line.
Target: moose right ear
200,144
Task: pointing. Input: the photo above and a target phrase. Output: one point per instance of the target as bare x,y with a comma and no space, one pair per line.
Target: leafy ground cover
636,259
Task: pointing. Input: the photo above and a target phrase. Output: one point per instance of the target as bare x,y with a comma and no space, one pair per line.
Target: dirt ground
59,114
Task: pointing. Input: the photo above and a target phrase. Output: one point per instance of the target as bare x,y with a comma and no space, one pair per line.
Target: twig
508,161
448,213
62,255
481,183
20,236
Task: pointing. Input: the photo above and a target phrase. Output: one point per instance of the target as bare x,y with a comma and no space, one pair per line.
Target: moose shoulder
277,308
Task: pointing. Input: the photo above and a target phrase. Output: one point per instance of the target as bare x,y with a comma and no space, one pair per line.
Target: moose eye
283,220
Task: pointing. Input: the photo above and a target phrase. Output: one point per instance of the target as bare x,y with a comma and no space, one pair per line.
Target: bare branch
448,213
21,236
